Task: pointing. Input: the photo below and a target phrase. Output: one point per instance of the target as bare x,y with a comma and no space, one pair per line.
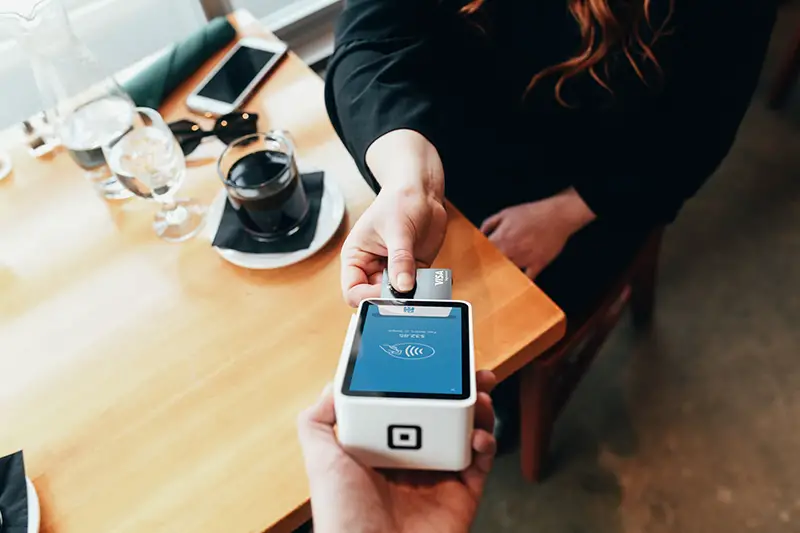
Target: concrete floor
696,428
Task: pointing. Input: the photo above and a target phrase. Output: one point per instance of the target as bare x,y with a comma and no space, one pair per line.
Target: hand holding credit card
431,284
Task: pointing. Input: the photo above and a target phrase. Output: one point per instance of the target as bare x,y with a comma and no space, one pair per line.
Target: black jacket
634,155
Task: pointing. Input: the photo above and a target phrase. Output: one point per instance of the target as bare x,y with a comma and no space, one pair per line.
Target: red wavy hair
602,31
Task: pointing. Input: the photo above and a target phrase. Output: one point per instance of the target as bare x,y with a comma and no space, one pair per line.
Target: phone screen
410,350
236,74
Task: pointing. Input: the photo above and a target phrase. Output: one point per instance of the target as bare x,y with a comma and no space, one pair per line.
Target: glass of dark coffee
263,184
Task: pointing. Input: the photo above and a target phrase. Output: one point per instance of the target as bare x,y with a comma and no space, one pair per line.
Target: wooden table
154,387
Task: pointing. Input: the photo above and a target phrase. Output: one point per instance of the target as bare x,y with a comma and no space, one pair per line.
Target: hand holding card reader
405,387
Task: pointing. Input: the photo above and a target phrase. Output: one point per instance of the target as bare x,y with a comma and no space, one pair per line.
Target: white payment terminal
405,386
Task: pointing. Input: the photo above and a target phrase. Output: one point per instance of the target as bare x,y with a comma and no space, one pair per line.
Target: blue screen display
410,354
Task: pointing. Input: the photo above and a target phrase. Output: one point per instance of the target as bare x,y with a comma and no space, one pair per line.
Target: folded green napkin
151,86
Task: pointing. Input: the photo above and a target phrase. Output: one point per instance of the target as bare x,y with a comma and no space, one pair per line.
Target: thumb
318,419
323,411
402,265
315,430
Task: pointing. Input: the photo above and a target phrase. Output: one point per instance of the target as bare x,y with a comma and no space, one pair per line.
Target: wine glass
149,162
85,108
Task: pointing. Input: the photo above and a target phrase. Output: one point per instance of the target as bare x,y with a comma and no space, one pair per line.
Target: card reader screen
411,349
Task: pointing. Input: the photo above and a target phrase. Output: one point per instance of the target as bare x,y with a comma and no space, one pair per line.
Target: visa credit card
432,284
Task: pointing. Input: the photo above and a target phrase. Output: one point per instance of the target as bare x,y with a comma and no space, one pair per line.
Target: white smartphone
236,76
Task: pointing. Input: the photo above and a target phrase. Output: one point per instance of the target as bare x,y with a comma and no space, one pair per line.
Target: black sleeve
709,83
381,75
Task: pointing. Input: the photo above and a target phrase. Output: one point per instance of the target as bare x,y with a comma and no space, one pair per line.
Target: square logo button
405,437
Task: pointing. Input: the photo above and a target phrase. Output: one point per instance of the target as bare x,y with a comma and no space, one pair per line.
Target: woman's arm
708,87
380,81
419,169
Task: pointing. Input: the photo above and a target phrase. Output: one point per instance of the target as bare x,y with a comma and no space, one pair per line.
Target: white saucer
33,508
331,214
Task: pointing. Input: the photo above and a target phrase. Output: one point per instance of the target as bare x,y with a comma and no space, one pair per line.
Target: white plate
331,214
33,508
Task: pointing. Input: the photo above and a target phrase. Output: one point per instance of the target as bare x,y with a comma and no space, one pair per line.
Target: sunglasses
227,129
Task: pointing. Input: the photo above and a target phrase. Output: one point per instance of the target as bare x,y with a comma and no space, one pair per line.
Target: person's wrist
413,184
404,161
572,210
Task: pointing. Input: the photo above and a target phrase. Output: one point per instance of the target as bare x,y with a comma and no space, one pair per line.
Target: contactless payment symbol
408,350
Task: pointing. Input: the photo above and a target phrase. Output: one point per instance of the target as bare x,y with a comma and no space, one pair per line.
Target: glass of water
90,125
148,161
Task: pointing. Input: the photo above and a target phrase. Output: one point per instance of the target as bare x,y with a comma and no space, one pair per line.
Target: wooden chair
787,76
546,383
